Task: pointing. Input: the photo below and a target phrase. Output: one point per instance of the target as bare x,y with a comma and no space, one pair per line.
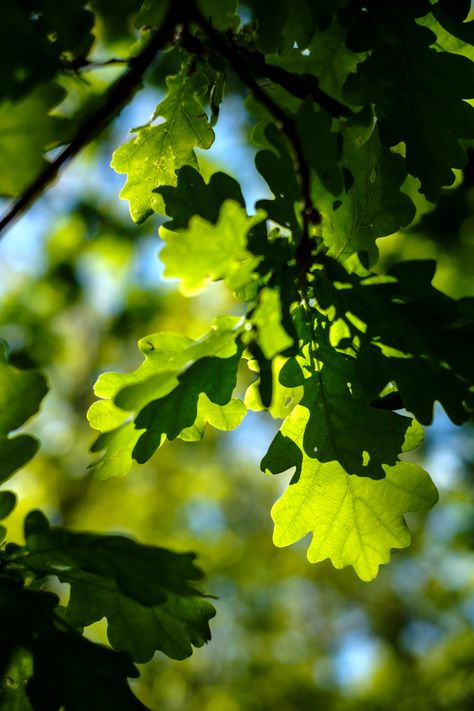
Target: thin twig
116,98
295,84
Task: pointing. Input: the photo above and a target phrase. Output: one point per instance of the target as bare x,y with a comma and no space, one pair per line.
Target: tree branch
115,99
309,215
295,84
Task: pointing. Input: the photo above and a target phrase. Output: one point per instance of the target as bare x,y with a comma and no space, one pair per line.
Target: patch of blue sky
419,636
357,658
204,517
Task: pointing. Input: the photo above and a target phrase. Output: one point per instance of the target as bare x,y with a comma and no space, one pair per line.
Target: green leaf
181,385
157,151
284,398
266,318
21,392
27,130
7,503
117,447
152,13
349,488
170,415
59,668
144,573
406,331
205,252
429,116
221,14
167,354
354,520
333,422
277,168
173,626
146,593
328,59
321,145
449,36
34,37
192,196
373,206
222,417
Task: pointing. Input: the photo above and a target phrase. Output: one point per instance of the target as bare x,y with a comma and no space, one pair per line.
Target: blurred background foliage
79,285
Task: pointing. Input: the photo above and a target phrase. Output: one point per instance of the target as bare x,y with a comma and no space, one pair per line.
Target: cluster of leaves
147,594
336,346
360,117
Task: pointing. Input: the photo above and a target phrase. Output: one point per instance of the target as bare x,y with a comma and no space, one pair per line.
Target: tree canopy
336,301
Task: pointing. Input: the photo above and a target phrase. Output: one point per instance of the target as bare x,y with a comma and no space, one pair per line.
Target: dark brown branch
115,99
295,84
231,52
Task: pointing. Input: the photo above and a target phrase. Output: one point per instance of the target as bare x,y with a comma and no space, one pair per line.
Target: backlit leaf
354,521
205,252
181,385
152,156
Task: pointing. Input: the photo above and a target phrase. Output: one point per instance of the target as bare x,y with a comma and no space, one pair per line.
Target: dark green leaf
27,130
146,593
277,167
144,573
167,398
33,37
340,425
21,392
170,415
328,59
7,503
418,95
321,145
457,10
73,673
192,196
172,627
373,206
15,452
59,668
409,333
221,14
152,13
